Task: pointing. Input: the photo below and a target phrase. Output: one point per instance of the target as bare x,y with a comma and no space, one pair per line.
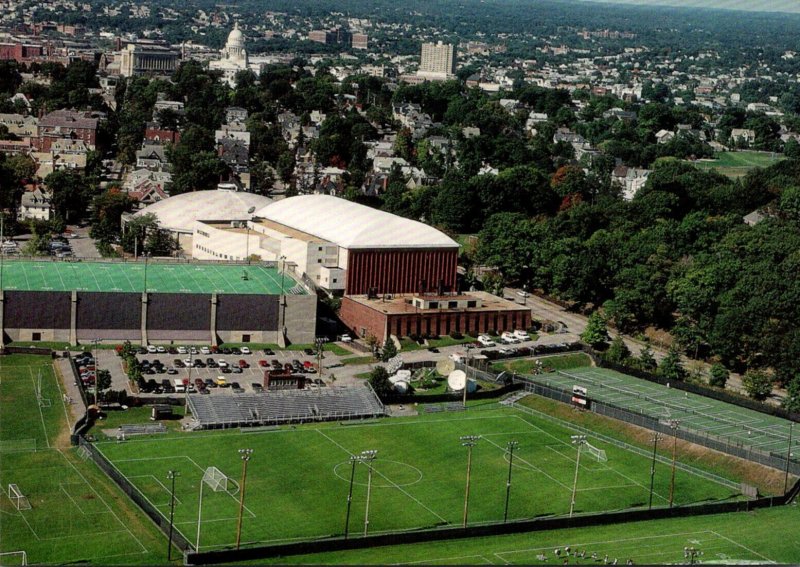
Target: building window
433,304
452,304
472,303
319,249
319,260
36,336
334,280
245,338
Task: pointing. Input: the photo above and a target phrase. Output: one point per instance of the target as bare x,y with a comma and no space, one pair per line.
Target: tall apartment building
147,60
438,60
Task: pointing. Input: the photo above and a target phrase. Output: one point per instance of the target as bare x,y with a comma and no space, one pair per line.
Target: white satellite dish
445,367
457,380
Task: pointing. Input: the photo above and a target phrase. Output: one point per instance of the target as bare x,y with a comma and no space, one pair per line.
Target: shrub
719,376
456,335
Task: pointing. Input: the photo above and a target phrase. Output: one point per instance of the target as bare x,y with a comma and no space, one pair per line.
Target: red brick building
20,52
71,125
469,314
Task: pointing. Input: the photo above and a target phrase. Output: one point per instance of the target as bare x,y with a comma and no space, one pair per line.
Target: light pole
580,441
354,460
188,383
691,553
245,455
673,425
510,447
788,459
367,457
199,512
171,475
469,442
96,368
283,297
319,342
656,439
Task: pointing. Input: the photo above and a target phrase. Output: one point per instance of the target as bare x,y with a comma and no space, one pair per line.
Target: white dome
235,38
351,225
178,213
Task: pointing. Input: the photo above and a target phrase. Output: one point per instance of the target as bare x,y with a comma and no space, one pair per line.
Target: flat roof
400,304
162,277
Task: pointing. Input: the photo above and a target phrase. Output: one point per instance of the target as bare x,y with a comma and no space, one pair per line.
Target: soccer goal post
215,479
19,500
13,558
599,454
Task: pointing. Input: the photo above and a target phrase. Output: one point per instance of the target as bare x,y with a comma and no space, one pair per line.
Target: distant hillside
791,6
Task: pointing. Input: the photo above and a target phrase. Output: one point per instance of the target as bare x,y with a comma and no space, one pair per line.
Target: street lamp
580,441
171,475
96,368
673,425
656,438
319,341
354,460
469,442
283,297
245,456
510,447
367,457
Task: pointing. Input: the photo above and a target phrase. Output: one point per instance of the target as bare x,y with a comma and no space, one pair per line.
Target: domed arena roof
351,225
178,213
236,37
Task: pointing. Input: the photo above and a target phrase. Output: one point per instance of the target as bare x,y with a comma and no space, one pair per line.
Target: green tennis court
735,424
130,277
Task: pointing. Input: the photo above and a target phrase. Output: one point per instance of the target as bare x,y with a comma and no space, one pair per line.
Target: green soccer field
70,513
130,277
730,423
298,477
737,164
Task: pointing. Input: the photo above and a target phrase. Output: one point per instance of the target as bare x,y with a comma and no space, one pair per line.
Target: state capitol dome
235,38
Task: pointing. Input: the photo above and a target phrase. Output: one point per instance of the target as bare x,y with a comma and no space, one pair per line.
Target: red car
243,364
263,363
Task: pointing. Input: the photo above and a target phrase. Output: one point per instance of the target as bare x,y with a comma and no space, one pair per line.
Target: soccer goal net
218,481
10,558
19,500
599,454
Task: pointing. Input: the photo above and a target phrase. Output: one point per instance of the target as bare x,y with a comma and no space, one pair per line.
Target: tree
719,375
618,352
103,379
792,400
389,350
757,384
596,333
70,193
379,380
671,367
647,361
107,211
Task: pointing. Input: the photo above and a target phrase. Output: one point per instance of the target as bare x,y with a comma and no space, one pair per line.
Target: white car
152,349
222,363
486,341
193,350
161,349
245,350
205,350
522,335
182,350
346,338
508,338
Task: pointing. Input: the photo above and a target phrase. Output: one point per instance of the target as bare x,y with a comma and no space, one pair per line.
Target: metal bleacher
286,406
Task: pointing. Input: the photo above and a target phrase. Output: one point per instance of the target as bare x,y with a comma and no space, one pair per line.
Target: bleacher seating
145,429
285,406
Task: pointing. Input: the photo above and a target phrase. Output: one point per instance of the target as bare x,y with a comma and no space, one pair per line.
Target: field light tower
510,448
788,459
468,441
245,456
171,475
580,441
367,457
656,438
673,425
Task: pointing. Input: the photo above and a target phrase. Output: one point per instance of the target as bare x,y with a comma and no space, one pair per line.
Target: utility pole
469,442
673,425
245,456
510,447
788,459
656,439
354,459
96,369
367,457
171,475
580,441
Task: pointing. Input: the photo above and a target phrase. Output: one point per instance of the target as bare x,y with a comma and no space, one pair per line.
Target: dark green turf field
130,277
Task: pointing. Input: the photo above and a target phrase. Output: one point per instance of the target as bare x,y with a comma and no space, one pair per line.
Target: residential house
152,157
631,179
35,205
69,124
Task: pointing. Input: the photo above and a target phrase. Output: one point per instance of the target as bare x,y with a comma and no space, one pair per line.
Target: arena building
337,245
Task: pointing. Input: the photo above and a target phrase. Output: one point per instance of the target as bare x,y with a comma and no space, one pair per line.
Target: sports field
70,515
705,415
731,539
737,164
298,477
130,277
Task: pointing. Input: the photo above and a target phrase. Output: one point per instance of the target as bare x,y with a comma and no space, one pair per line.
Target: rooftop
400,304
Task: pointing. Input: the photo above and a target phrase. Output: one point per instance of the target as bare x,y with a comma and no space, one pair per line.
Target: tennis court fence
541,387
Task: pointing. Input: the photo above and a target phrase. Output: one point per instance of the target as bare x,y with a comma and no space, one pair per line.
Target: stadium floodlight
656,438
96,368
673,425
367,457
245,456
788,459
691,553
354,460
171,475
468,441
580,441
510,448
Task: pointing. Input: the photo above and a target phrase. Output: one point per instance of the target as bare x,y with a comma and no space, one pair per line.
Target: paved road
82,245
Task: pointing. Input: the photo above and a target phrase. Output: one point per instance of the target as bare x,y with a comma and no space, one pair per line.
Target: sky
792,6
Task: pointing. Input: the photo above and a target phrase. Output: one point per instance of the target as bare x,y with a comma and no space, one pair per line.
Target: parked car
309,351
257,387
182,350
152,349
237,389
245,350
205,350
243,364
210,383
263,363
222,382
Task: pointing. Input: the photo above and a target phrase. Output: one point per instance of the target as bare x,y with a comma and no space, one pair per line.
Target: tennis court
694,412
136,277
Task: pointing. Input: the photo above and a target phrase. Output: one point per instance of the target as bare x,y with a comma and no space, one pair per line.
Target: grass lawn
76,513
359,360
413,486
737,164
748,537
556,362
